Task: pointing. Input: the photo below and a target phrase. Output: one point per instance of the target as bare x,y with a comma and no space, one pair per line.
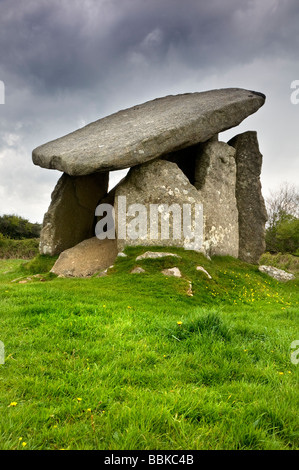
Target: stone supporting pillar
71,214
215,180
250,201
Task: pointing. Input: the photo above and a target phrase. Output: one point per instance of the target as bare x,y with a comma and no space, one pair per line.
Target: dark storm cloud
76,44
65,63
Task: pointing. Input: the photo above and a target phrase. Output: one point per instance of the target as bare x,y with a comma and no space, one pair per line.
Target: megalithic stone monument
181,129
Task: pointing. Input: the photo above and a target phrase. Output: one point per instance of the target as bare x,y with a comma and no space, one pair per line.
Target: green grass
104,362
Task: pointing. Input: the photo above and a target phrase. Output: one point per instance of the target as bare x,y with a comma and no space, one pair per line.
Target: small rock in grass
172,272
155,254
137,270
276,273
200,268
189,291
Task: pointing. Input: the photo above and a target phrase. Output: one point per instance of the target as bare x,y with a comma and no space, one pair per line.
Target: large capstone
148,131
71,216
250,201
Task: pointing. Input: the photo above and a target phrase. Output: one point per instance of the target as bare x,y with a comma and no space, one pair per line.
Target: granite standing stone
250,201
161,190
215,179
71,215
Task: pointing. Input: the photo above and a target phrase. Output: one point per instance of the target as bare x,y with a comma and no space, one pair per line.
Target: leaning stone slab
250,201
147,131
70,217
86,258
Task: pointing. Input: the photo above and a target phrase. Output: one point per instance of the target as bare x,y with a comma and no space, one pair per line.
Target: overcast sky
65,63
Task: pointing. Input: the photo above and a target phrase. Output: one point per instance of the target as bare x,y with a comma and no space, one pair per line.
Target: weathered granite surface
86,258
250,201
147,131
70,217
160,189
215,180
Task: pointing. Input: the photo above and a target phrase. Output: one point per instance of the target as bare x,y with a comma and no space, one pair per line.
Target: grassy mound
133,361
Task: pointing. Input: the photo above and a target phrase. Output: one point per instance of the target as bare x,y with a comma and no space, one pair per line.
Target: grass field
132,361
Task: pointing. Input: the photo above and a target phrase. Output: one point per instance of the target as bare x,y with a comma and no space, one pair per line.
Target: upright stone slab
250,201
148,131
162,192
70,217
215,179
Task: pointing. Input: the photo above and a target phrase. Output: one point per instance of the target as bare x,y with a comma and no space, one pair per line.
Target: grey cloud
71,44
66,63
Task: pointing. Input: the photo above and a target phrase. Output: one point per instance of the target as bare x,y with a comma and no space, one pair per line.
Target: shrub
283,235
13,226
19,249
